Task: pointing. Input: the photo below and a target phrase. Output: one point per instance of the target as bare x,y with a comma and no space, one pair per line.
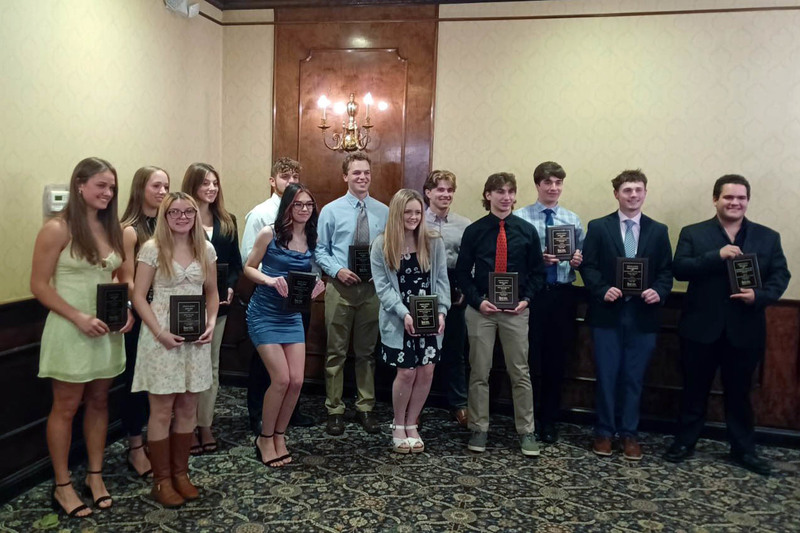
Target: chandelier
351,137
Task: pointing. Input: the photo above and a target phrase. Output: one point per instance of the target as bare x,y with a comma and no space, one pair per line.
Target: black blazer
602,247
227,248
708,311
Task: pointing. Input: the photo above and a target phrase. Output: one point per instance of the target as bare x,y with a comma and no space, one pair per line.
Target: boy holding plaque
347,227
552,328
409,268
721,328
500,254
627,261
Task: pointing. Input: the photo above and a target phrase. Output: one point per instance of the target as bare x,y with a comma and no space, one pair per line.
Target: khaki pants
350,310
513,330
207,398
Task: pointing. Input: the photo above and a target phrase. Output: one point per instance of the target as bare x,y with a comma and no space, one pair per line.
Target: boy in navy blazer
624,328
723,330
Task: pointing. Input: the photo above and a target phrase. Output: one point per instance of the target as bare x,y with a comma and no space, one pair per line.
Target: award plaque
301,285
423,313
743,273
359,261
222,281
632,275
504,289
112,304
561,242
187,316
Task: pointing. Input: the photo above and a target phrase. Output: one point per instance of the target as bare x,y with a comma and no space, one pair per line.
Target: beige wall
124,80
687,98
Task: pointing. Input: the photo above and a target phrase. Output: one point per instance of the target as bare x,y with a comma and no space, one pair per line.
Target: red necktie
501,254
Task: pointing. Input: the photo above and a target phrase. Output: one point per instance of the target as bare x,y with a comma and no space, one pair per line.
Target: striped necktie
362,225
551,270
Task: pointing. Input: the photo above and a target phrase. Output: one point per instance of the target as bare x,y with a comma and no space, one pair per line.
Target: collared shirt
535,215
259,217
451,227
337,227
478,247
740,235
636,228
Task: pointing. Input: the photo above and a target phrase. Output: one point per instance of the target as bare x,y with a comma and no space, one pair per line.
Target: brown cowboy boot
180,444
163,491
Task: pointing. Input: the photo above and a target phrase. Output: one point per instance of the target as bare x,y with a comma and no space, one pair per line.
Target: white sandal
417,446
400,445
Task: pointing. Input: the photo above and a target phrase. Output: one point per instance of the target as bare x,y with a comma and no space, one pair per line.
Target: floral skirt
416,351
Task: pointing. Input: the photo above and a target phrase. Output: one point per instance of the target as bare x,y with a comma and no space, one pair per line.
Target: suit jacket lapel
645,229
612,225
215,230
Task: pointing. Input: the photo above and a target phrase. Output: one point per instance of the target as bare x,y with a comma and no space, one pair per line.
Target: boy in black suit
723,330
624,328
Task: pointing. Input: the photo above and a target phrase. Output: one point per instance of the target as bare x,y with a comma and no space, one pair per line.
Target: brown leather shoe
461,417
368,421
602,446
180,444
163,491
631,449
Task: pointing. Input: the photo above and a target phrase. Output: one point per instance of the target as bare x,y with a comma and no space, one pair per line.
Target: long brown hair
193,179
165,243
134,215
285,218
394,235
84,245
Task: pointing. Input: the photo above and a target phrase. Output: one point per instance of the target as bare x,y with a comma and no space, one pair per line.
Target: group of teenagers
168,243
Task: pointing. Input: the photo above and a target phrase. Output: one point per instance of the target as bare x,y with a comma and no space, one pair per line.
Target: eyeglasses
301,205
175,214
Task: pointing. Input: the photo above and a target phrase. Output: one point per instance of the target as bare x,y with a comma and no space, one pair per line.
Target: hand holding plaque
743,273
423,313
632,275
187,316
359,261
301,286
112,304
504,289
561,242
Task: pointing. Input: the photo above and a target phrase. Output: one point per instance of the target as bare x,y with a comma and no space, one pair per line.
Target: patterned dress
416,351
186,368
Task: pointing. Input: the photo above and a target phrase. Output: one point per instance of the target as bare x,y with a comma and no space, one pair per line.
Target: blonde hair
163,236
134,214
394,235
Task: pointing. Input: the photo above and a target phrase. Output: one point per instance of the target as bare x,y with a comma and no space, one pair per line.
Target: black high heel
87,491
271,462
73,513
130,464
288,455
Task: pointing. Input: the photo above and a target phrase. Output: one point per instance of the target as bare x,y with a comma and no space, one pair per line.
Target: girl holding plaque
202,182
407,262
278,334
75,251
149,187
177,261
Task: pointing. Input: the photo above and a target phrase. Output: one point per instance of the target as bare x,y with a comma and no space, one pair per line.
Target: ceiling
271,4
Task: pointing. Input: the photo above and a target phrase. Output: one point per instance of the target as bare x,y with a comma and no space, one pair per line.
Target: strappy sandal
286,456
272,463
417,446
196,449
130,463
74,512
87,491
400,445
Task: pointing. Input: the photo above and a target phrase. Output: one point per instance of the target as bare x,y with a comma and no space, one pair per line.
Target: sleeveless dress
186,368
66,353
416,351
267,321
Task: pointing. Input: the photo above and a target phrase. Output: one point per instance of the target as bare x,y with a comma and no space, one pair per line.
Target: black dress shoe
676,453
301,420
549,434
368,421
752,462
335,425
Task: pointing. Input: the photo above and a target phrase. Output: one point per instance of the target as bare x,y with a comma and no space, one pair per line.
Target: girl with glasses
202,182
408,261
75,251
277,334
178,260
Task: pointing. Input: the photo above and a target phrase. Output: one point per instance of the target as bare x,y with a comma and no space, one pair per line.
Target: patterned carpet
354,483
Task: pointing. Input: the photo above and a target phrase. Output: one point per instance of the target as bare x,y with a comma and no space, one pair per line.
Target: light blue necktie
551,270
630,240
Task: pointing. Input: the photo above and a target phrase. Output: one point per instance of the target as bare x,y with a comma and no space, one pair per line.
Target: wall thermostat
54,199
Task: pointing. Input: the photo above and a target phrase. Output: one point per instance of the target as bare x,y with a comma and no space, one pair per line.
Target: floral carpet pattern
355,483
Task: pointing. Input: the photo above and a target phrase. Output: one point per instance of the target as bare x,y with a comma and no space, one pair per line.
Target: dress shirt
637,226
259,217
478,248
534,214
451,227
337,227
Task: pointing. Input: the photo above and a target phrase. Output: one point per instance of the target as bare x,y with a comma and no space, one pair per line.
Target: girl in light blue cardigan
408,261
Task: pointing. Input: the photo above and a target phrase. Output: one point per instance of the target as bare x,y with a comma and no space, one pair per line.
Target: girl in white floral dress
178,260
407,260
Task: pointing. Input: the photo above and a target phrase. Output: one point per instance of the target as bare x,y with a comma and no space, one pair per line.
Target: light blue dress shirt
337,227
562,216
